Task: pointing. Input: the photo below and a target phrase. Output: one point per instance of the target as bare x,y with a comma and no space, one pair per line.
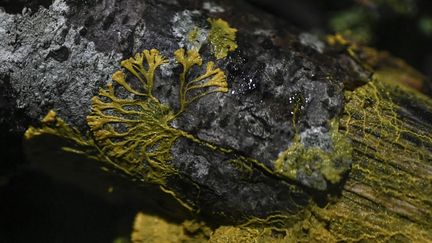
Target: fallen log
238,119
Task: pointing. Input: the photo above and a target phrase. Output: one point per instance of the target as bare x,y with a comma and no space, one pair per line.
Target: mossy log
254,129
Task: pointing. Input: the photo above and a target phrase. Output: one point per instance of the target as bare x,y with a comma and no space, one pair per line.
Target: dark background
402,27
36,207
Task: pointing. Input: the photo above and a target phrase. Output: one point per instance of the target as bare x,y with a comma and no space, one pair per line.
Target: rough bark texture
285,89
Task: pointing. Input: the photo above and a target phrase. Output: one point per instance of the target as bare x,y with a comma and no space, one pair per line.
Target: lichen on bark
313,165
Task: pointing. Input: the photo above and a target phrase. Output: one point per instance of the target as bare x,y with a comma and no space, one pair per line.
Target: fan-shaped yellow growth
136,67
213,80
131,131
134,134
130,127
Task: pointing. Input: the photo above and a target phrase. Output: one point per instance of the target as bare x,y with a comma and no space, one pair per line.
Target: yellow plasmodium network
134,134
385,199
213,77
222,37
387,195
130,128
54,125
133,130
